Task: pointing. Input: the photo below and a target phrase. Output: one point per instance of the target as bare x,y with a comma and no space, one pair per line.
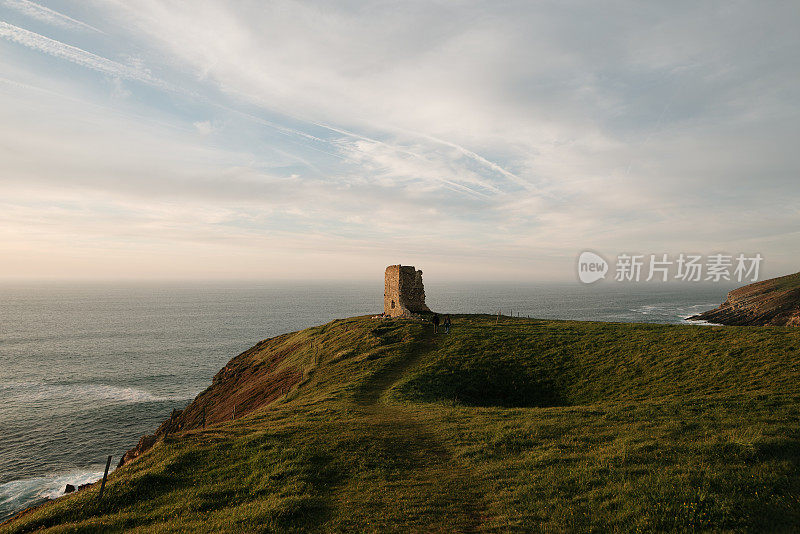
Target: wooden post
498,317
105,476
234,411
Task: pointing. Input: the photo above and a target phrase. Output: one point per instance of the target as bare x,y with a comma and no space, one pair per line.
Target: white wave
38,391
681,312
654,309
700,322
18,494
696,309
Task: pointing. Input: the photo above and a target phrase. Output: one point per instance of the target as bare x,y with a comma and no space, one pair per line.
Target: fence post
105,476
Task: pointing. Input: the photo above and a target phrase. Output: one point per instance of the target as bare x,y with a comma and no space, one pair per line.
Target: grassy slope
628,427
791,281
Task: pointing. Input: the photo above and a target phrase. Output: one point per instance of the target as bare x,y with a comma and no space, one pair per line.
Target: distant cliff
774,302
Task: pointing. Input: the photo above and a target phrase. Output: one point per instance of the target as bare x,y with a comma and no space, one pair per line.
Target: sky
476,140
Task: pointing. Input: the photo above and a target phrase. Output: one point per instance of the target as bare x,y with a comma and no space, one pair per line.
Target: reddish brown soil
248,382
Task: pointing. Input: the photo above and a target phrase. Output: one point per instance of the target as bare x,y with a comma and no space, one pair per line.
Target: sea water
86,369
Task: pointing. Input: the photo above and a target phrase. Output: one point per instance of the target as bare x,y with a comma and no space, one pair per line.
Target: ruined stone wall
404,292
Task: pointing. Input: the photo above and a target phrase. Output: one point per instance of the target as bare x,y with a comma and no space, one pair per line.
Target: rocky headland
773,302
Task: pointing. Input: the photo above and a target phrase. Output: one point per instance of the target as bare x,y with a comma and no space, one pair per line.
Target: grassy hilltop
522,425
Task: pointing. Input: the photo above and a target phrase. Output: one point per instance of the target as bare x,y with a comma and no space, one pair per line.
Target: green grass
791,281
523,425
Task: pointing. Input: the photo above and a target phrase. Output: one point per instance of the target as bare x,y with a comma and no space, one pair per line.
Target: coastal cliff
503,424
773,302
251,380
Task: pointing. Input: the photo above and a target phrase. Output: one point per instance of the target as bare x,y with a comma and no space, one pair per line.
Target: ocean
87,369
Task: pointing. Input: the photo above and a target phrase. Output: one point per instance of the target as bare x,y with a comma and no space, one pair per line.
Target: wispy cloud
419,131
48,15
78,56
204,127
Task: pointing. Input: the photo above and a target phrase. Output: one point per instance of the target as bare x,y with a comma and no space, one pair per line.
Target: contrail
480,159
78,56
92,61
46,14
468,153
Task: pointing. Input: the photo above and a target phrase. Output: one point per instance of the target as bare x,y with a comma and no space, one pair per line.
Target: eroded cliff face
249,381
774,302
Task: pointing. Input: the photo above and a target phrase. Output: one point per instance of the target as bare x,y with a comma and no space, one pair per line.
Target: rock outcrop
774,302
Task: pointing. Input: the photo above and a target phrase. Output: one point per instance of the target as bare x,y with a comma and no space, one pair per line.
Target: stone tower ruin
403,293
